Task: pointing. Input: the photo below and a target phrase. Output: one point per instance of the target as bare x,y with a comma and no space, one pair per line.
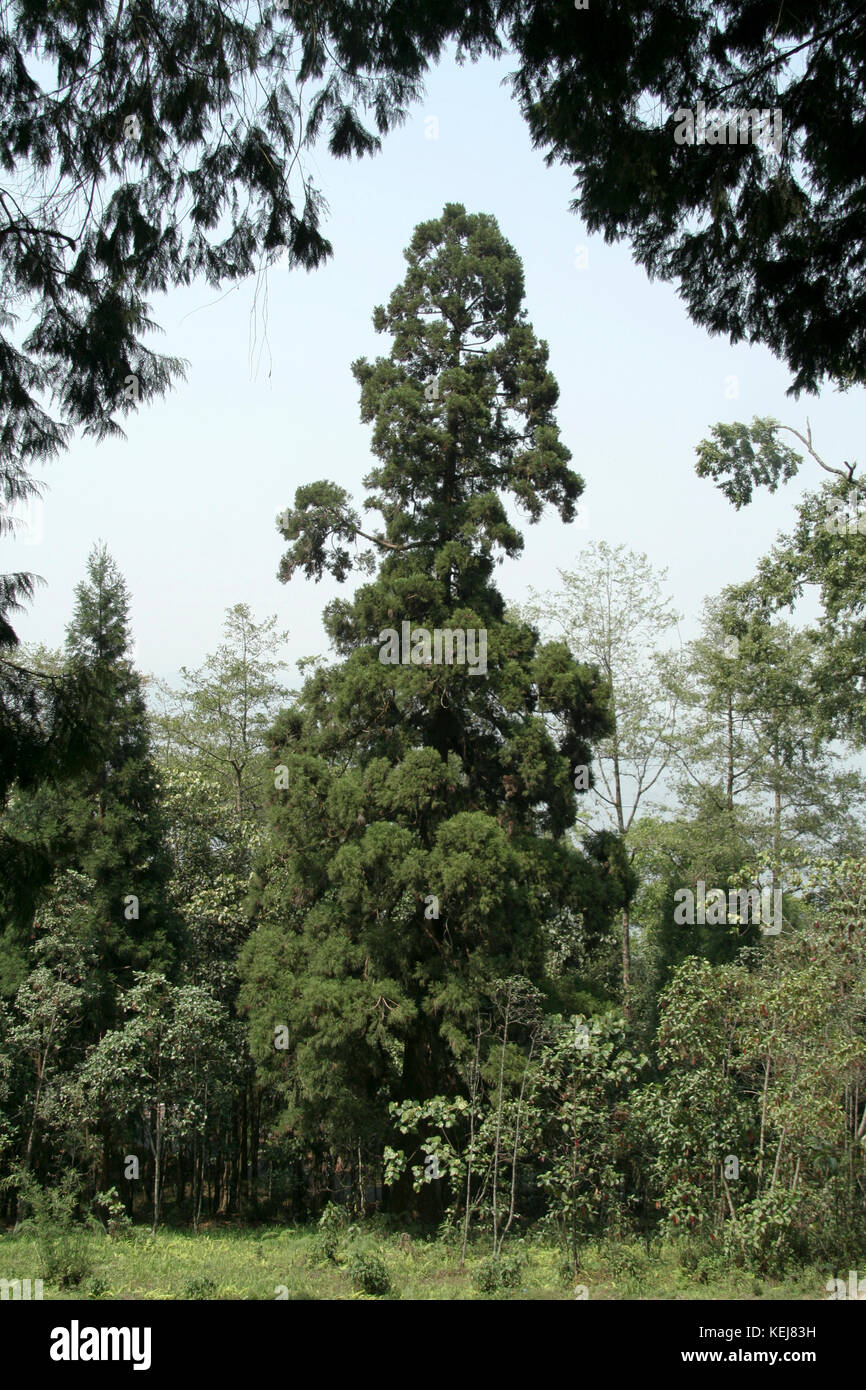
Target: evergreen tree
106,823
44,739
758,223
115,820
418,833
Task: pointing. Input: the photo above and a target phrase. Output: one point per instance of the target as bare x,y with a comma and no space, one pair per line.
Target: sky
187,502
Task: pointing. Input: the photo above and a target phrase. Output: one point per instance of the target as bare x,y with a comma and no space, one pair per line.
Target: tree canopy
146,145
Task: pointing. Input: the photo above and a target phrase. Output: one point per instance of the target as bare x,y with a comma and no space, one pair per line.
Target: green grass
257,1263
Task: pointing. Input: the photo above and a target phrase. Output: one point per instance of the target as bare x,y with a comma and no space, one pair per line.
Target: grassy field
284,1262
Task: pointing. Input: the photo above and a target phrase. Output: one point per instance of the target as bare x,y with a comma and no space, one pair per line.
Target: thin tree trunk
157,1171
226,1187
473,1094
516,1141
777,825
40,1077
763,1119
362,1201
499,1133
243,1131
255,1140
778,1156
728,1195
626,964
729,786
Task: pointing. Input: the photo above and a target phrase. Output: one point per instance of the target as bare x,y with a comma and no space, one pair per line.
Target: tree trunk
626,963
157,1173
255,1140
497,1146
241,1184
216,1167
729,785
225,1187
419,1082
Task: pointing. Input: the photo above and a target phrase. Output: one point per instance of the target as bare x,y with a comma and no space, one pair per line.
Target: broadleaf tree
612,611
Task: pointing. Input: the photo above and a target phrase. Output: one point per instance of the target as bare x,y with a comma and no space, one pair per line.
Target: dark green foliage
112,824
418,850
742,457
583,1134
106,822
46,718
499,1272
763,246
369,1273
200,1288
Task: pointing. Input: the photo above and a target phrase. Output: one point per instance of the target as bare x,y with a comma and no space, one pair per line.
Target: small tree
163,1068
612,611
221,716
586,1073
50,1008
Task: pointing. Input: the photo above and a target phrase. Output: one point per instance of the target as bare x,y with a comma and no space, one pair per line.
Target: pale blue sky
187,503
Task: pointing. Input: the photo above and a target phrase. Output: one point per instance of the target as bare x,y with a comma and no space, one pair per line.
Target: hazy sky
187,504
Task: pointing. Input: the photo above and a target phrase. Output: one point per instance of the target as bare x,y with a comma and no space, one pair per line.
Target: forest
514,949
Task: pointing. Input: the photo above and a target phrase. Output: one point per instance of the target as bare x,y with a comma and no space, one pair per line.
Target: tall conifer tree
115,820
106,822
419,842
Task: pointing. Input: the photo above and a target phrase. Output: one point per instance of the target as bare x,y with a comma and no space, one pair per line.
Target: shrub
199,1287
62,1242
504,1272
333,1227
368,1273
763,1235
111,1205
